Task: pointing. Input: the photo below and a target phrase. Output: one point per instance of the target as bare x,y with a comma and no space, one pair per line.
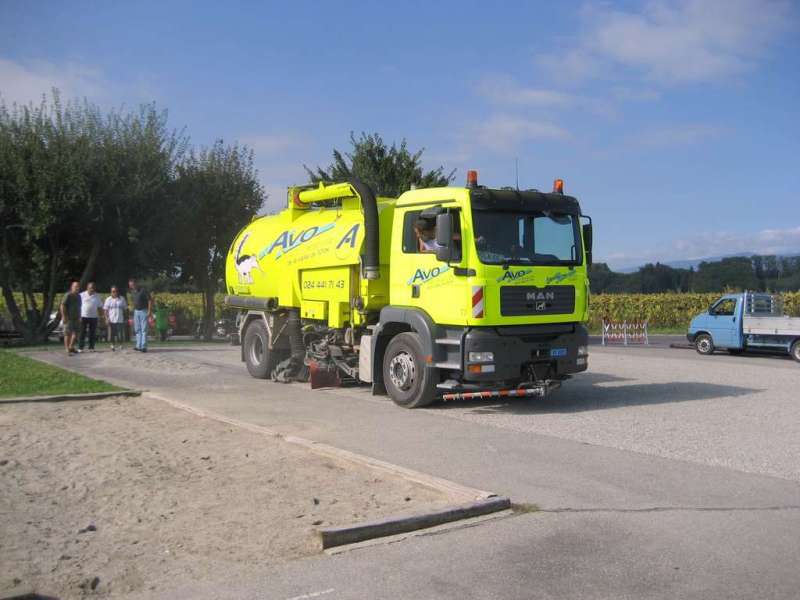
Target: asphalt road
659,474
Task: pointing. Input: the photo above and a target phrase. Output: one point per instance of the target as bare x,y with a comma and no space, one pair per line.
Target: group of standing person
80,312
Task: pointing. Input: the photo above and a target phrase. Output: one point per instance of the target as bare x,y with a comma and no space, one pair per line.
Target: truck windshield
526,238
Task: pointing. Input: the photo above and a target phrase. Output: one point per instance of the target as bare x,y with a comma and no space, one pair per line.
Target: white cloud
22,83
503,132
675,135
505,91
687,41
714,243
767,241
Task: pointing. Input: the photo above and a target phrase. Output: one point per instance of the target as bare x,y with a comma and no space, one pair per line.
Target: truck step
446,365
450,384
448,341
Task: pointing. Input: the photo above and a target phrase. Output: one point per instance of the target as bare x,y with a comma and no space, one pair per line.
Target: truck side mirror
587,241
444,236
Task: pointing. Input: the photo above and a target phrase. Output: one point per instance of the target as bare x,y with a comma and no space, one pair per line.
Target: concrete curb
458,492
68,397
340,536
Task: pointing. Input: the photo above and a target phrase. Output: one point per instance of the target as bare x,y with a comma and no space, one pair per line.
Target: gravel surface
737,412
120,496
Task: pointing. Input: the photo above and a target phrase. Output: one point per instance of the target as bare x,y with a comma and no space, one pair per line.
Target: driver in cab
425,231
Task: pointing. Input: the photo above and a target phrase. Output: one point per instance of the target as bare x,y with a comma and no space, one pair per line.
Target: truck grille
529,300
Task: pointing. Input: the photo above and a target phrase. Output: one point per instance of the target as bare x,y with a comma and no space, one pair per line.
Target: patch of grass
22,376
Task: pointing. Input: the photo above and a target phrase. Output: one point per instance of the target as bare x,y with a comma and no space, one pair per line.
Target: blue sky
677,124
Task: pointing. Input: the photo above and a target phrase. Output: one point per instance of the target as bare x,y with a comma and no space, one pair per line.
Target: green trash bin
162,322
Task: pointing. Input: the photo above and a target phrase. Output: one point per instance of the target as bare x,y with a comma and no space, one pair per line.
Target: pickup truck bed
771,325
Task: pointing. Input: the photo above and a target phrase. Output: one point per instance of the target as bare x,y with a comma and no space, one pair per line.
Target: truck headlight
583,350
479,357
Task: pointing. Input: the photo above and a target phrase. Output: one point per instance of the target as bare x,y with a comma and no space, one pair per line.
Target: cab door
419,279
724,322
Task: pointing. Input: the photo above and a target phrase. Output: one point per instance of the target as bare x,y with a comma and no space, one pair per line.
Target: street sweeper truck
447,293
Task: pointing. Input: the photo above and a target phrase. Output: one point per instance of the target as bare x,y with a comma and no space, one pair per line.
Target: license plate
556,352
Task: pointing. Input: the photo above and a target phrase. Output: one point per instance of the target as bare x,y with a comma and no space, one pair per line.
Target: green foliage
85,193
79,191
188,303
388,170
663,310
757,273
669,311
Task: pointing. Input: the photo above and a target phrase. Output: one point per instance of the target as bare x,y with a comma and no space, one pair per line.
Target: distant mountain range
693,263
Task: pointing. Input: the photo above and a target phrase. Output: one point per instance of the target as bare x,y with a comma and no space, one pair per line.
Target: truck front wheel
704,344
795,351
409,383
257,354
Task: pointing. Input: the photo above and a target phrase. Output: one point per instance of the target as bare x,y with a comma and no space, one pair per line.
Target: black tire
408,382
259,358
794,351
704,344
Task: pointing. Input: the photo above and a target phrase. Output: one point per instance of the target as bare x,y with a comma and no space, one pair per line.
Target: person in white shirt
114,309
90,305
425,230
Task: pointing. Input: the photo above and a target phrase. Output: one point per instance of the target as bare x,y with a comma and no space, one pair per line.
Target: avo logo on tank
425,275
289,240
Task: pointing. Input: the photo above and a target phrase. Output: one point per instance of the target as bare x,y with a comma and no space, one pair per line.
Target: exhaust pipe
369,204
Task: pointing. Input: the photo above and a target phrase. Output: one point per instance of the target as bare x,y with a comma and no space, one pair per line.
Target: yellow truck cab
443,293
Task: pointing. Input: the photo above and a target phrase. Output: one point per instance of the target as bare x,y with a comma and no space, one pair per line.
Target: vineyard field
661,311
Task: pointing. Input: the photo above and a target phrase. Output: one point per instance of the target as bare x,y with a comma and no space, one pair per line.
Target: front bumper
691,337
550,350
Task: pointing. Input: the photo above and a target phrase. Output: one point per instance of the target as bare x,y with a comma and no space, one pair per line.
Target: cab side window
418,240
410,241
725,307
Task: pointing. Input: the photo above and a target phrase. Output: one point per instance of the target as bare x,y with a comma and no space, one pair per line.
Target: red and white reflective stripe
539,391
477,301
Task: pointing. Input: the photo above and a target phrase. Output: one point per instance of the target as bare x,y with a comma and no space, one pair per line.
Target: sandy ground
120,496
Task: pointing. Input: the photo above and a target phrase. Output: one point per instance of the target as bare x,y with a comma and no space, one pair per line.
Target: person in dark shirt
71,316
142,304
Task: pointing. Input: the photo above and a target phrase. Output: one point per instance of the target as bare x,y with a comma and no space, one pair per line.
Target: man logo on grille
541,306
540,296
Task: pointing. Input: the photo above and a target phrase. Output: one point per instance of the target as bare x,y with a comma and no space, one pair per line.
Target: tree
388,170
215,194
735,273
44,154
74,184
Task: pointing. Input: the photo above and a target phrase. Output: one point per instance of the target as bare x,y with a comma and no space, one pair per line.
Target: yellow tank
309,257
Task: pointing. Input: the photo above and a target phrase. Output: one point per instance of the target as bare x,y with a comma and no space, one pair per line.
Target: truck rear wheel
704,344
795,350
259,358
408,382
